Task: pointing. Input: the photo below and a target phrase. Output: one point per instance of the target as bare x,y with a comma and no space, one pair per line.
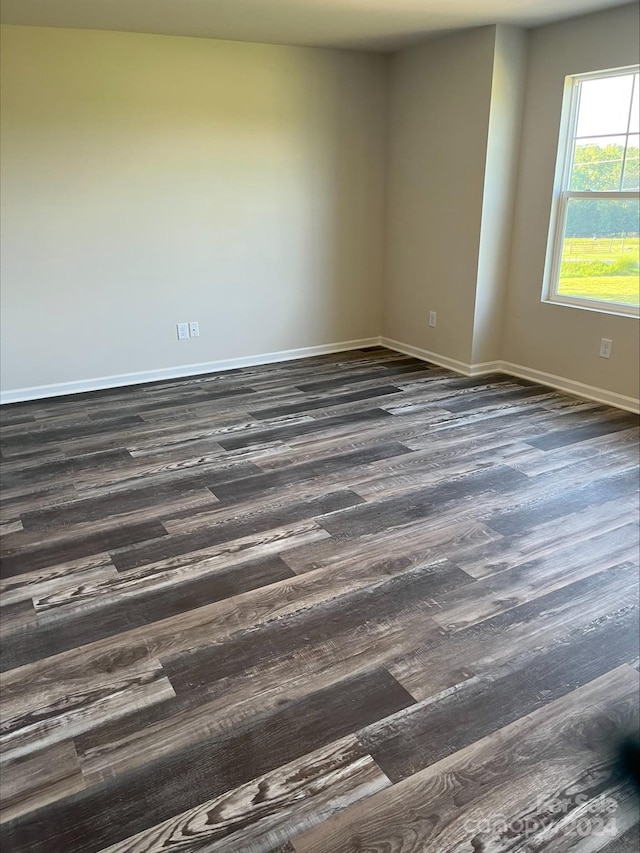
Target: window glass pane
600,253
634,127
604,105
631,179
597,164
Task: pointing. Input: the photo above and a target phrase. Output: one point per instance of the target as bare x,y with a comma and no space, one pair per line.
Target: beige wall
556,339
149,180
267,191
500,175
439,102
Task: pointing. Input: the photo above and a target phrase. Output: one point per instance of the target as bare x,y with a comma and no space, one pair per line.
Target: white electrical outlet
194,329
432,319
183,331
606,345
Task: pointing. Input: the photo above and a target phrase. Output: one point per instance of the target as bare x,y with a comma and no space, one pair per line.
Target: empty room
319,426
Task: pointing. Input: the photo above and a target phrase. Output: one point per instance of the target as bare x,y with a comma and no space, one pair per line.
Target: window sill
594,307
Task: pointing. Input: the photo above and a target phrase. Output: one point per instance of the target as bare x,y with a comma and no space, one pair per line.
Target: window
595,261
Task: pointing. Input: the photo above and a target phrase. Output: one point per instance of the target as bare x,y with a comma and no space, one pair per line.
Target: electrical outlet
432,319
194,329
183,331
606,345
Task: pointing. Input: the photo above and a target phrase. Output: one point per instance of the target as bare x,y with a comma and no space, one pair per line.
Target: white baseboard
443,360
560,383
60,389
571,386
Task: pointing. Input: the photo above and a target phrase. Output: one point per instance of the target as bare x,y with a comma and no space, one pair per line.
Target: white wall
498,200
439,99
474,127
455,113
149,180
556,339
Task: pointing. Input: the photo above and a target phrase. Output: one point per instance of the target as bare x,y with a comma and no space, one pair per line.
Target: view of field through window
605,265
602,269
601,247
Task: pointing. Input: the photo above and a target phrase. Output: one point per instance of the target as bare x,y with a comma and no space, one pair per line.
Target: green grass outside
624,289
618,288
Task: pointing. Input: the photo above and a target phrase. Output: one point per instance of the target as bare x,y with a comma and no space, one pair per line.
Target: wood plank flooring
350,604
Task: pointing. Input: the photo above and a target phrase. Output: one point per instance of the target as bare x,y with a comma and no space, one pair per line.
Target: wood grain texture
34,780
212,767
19,561
352,602
216,707
629,842
270,808
484,796
485,646
69,627
486,703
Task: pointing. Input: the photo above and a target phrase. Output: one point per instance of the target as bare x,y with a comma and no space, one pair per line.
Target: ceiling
363,24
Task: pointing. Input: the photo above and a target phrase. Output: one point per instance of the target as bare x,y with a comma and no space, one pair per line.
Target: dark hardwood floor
352,603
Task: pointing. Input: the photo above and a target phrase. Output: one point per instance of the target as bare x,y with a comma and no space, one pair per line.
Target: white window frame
562,194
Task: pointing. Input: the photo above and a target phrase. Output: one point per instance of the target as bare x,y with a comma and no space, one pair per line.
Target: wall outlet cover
606,345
